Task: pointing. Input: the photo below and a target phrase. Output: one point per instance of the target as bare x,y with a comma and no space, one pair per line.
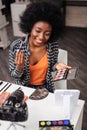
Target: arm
59,66
13,68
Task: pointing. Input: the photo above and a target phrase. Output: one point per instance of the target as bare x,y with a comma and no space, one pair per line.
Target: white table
44,109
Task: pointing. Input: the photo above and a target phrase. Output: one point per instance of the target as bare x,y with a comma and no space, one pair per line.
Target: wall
76,13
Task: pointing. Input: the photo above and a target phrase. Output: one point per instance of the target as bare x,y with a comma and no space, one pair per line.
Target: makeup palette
61,74
55,125
65,74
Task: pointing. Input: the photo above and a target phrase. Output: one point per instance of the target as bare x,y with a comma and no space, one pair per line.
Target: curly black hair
42,11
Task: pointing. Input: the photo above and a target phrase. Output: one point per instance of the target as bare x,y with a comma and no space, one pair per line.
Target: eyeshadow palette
65,74
55,125
61,74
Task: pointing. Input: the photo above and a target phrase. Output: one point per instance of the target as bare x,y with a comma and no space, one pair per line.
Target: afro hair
42,11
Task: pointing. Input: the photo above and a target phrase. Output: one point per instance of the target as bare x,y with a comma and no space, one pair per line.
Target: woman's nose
41,36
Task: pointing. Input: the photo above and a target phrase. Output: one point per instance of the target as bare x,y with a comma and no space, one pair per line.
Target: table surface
44,109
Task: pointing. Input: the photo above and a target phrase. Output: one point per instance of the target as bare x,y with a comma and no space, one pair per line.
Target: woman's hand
20,60
60,66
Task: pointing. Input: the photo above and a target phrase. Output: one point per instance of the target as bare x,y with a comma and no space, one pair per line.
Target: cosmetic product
55,125
65,74
1,82
4,87
7,87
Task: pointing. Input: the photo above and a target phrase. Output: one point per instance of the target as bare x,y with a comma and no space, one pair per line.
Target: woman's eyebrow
41,28
48,30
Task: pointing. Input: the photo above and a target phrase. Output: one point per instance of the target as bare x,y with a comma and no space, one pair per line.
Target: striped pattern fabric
22,78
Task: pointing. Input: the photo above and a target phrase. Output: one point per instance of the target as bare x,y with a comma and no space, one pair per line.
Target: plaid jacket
22,78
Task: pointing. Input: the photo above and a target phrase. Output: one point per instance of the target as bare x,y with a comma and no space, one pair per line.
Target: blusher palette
57,128
55,125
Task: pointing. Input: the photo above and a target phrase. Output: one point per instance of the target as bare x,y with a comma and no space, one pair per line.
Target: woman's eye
38,31
47,34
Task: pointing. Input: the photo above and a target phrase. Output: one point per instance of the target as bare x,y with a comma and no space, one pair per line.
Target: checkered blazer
22,78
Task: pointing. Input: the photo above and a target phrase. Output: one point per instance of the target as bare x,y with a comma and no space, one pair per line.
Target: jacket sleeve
12,66
54,55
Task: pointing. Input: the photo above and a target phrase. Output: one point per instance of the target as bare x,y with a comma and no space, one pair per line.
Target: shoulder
15,44
53,45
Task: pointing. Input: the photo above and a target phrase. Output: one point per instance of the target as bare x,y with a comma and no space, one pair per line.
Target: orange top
38,71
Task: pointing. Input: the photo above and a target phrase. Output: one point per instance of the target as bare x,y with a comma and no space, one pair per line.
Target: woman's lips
39,42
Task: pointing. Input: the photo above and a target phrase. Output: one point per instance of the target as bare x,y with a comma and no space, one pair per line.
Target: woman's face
40,33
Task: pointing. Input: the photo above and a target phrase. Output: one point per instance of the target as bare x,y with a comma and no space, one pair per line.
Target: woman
34,57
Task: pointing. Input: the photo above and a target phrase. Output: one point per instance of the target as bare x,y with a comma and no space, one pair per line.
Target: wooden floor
75,42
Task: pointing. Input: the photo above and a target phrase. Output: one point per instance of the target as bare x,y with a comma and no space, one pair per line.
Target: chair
62,57
14,125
